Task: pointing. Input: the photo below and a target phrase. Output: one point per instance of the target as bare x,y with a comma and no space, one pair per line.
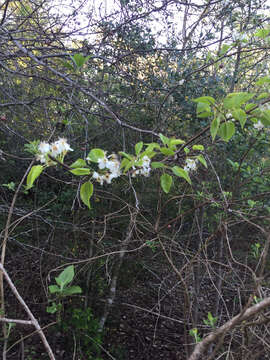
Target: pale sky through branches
164,25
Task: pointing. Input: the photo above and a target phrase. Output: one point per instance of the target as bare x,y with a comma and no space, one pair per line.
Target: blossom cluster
144,167
58,149
191,165
112,165
111,168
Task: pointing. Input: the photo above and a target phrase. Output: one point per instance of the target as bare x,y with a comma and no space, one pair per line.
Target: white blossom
55,150
145,171
41,158
98,177
102,163
44,147
62,145
259,125
181,82
191,165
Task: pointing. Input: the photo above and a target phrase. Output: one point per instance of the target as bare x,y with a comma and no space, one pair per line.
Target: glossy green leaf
138,147
150,147
125,155
176,142
235,100
86,191
203,110
80,163
240,115
96,154
164,139
198,147
166,182
226,130
249,107
214,127
181,173
265,117
80,171
205,100
65,277
167,152
202,160
54,289
33,175
72,290
157,165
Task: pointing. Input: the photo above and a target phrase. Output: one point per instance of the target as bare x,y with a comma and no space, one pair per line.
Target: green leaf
265,117
166,182
240,115
157,165
214,127
224,49
72,290
122,153
262,33
10,186
126,164
150,147
203,110
263,95
96,154
78,164
249,107
205,100
54,289
235,100
52,309
176,142
181,173
65,277
226,130
148,153
164,139
79,60
33,175
263,80
80,171
202,160
167,152
138,147
198,147
86,191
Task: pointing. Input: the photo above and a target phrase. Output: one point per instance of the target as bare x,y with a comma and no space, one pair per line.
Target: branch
28,311
202,346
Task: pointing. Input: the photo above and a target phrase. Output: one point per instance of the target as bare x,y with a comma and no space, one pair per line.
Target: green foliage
33,175
79,60
86,329
62,289
166,182
194,332
86,191
210,321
